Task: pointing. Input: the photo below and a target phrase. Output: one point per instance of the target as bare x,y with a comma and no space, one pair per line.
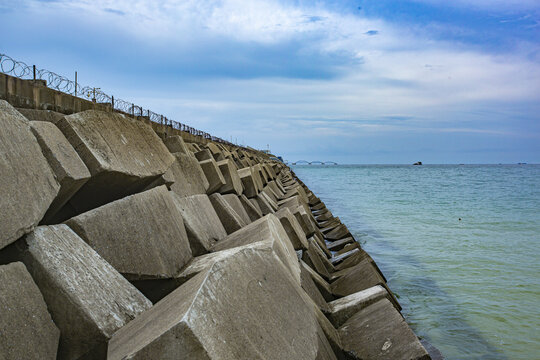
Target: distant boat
418,163
522,163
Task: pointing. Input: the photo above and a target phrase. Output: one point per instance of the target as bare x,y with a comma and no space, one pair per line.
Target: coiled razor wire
54,81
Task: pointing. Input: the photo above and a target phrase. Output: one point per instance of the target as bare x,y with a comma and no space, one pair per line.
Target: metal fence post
75,84
34,68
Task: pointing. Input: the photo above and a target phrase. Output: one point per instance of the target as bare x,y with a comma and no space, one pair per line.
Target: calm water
471,287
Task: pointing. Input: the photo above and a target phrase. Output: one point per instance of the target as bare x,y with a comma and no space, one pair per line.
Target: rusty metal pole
75,84
34,68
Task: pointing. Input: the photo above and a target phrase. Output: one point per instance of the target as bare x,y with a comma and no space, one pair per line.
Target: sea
459,245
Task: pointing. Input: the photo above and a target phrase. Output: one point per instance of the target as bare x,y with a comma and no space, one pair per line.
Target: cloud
371,32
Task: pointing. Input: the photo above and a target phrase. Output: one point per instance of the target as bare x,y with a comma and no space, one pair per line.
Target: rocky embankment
116,243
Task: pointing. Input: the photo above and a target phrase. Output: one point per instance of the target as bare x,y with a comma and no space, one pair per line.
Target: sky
348,81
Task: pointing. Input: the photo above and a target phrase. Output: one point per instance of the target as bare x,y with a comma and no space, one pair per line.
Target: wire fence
61,83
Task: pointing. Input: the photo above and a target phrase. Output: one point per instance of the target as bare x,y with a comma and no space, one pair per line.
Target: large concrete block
357,278
380,332
41,115
142,235
338,233
123,155
233,183
28,183
341,310
27,330
253,212
87,298
229,218
293,229
69,169
234,201
311,289
202,223
248,181
204,154
189,178
228,312
176,144
213,175
268,228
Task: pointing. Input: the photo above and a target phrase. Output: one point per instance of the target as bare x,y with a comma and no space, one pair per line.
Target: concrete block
142,236
250,187
189,178
311,289
176,144
123,155
253,212
28,183
243,319
87,298
204,154
234,201
305,220
322,284
380,332
255,204
341,310
293,229
338,233
204,227
233,183
27,330
70,171
265,204
229,218
41,115
360,277
268,228
213,175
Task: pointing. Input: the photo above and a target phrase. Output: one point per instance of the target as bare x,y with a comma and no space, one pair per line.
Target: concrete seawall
125,239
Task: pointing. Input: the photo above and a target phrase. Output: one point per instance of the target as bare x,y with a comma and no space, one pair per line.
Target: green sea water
472,286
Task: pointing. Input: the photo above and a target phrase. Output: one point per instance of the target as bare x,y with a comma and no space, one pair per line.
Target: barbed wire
21,70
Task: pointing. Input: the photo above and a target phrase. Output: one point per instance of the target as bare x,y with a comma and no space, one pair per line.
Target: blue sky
351,81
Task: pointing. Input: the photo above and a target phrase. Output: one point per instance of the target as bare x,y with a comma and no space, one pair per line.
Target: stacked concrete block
204,154
268,228
28,183
293,229
142,235
204,227
243,319
253,212
247,176
26,328
234,201
380,332
123,155
233,183
176,144
213,175
229,218
41,115
70,171
189,178
87,298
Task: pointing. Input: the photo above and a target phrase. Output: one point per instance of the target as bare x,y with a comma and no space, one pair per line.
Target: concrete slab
202,223
268,228
28,332
229,218
189,178
293,229
204,154
87,298
123,155
70,171
234,201
28,183
142,236
253,212
341,310
338,233
243,319
233,183
380,332
213,175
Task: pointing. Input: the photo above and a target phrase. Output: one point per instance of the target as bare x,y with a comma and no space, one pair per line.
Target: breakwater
123,240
